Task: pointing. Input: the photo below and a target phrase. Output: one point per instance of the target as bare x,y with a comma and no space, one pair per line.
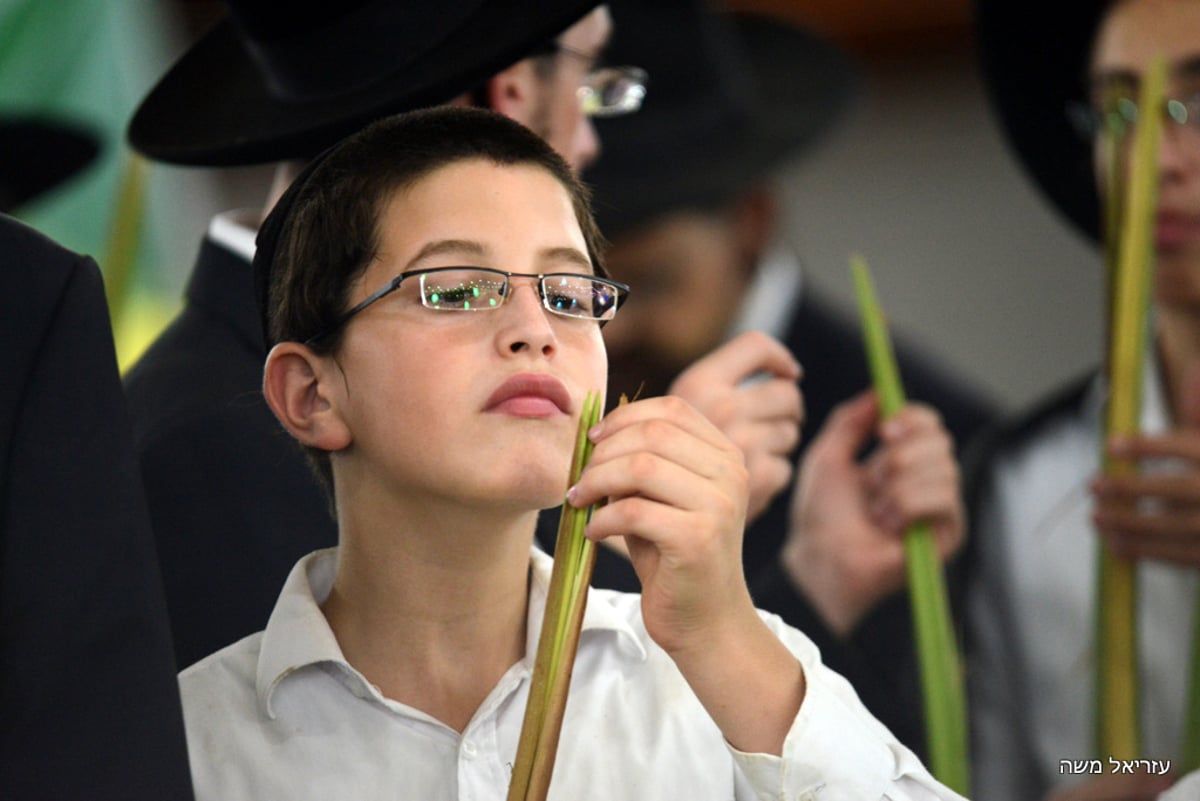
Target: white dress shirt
1033,613
282,715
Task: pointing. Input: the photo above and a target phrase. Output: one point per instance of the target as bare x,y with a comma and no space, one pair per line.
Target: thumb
847,431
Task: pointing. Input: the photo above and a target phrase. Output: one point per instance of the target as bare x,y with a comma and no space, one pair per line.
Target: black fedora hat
275,81
1034,59
38,153
732,97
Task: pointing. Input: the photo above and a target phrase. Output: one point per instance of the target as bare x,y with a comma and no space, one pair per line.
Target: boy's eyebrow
469,247
1188,67
1104,79
1185,68
444,246
567,254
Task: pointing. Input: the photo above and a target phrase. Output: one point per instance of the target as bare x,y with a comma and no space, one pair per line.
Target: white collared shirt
773,293
236,231
282,715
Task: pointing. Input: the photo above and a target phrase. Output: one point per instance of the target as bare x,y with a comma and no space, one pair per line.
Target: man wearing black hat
1035,503
682,192
232,501
89,707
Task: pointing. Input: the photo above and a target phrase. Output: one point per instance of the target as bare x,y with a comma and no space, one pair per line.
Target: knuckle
632,512
657,431
642,466
674,405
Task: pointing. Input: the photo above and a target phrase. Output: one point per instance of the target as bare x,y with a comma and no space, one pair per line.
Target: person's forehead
452,201
1134,31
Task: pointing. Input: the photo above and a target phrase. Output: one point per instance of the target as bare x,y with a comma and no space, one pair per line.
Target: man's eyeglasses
472,289
605,91
1119,115
612,91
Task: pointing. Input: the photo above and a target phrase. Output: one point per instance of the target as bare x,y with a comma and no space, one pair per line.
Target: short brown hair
324,232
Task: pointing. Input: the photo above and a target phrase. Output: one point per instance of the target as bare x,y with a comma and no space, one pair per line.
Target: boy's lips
530,395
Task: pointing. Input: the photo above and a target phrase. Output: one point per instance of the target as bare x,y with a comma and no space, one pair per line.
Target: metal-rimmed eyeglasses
612,91
1119,115
472,289
606,91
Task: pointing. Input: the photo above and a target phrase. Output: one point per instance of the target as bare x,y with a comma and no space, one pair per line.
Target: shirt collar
236,231
772,294
298,635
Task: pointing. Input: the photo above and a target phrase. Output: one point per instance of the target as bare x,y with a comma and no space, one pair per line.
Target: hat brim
650,166
1033,66
39,154
214,107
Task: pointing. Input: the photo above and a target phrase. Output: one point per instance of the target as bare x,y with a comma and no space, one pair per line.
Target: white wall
968,258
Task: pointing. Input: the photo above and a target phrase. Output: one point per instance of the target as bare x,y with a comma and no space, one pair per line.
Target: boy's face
421,387
1131,35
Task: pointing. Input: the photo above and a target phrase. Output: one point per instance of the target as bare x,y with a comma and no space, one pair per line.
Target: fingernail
595,431
1119,443
572,493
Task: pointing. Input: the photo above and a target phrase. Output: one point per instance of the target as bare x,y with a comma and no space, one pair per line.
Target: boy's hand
762,417
677,493
676,490
845,547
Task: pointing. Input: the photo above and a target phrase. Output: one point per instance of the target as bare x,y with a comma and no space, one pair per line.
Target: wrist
824,586
748,682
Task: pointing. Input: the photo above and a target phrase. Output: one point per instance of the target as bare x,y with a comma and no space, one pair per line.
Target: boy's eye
564,302
453,295
460,290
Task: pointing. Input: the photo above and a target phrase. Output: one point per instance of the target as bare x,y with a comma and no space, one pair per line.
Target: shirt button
469,750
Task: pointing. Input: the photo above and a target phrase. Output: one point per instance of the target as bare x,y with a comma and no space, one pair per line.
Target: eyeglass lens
612,91
1121,114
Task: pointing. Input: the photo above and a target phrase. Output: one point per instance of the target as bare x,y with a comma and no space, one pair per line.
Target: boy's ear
513,92
296,384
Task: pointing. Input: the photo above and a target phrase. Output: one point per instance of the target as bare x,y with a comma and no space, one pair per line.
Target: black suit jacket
89,706
232,500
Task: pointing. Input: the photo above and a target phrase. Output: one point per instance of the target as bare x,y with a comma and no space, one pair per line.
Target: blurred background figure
88,63
89,707
1039,513
685,193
